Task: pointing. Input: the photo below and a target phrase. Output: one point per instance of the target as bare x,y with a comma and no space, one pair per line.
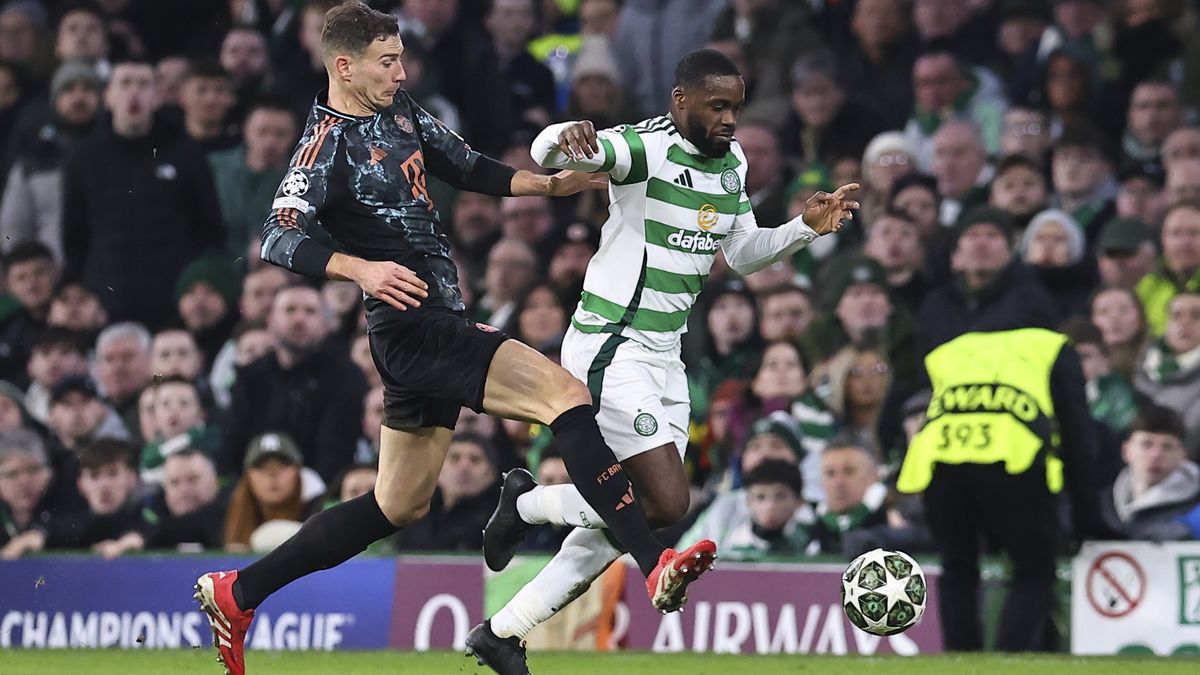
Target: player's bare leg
409,464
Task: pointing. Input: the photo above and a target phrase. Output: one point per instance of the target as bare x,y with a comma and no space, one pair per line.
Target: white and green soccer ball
884,592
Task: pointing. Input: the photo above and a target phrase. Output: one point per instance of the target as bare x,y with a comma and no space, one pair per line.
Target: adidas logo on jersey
693,242
684,179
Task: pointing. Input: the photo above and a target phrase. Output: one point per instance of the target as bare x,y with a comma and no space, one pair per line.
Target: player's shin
328,539
584,556
602,482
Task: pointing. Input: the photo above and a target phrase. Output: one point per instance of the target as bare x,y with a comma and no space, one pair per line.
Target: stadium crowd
1023,162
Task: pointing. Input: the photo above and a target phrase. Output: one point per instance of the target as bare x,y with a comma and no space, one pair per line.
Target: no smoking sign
1116,585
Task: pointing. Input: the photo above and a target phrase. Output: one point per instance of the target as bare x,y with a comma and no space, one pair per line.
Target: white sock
557,505
584,555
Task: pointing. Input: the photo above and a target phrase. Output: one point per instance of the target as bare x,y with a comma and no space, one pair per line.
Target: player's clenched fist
578,140
825,212
392,283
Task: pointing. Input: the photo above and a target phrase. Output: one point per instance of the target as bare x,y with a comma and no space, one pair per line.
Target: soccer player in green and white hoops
677,193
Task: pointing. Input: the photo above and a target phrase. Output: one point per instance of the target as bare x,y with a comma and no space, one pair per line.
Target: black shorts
432,361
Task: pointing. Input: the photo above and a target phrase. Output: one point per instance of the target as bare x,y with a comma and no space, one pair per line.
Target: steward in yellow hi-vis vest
1007,419
991,403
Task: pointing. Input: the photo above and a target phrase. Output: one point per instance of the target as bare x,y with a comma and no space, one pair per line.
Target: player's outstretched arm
560,184
749,248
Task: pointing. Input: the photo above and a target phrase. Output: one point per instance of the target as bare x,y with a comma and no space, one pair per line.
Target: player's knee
401,510
667,510
570,393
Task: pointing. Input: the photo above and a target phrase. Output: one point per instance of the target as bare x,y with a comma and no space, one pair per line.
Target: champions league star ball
883,592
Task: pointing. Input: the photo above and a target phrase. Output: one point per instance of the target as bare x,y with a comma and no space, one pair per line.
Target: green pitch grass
19,662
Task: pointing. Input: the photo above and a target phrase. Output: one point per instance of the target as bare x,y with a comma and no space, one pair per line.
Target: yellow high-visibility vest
991,403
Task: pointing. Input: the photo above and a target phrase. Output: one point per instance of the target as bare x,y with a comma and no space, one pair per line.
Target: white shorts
642,393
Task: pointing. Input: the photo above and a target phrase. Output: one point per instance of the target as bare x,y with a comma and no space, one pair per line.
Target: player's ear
343,65
678,98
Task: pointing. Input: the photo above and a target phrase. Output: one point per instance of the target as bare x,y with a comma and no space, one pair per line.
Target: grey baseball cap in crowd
1123,235
272,444
75,71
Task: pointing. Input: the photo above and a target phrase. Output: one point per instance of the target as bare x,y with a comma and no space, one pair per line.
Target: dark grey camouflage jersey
363,180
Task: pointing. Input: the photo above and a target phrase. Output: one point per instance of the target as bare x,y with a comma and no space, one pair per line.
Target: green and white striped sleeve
621,155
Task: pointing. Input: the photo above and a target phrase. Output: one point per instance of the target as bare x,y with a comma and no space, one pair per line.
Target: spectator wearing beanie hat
31,205
1056,252
989,290
206,296
860,311
595,85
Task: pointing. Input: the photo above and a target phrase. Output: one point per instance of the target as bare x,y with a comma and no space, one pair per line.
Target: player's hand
569,182
825,212
579,140
392,283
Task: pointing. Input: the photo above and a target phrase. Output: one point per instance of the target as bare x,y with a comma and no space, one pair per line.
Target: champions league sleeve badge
296,184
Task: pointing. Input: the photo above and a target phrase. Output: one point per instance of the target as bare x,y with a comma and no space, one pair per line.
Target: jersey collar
322,104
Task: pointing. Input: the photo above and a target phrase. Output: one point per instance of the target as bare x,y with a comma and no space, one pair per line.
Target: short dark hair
191,451
1156,419
105,451
776,472
25,251
784,289
271,102
352,27
160,380
489,449
1084,134
244,327
208,69
1011,162
55,337
695,67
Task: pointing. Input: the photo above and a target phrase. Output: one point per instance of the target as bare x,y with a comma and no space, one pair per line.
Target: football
883,592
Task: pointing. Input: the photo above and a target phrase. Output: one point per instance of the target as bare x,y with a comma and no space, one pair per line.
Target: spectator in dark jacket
128,233
1158,485
989,290
824,123
530,83
30,274
307,387
465,498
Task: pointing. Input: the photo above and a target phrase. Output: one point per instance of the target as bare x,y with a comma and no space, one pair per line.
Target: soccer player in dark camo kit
360,170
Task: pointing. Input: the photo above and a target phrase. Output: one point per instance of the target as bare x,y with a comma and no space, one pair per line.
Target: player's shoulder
654,126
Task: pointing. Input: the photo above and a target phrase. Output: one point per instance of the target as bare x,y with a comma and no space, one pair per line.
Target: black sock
326,540
601,480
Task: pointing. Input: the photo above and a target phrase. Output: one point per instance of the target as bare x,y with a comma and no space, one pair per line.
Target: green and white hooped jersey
671,208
